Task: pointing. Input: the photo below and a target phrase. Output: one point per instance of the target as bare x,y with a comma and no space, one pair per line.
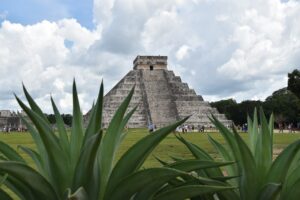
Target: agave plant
255,175
82,164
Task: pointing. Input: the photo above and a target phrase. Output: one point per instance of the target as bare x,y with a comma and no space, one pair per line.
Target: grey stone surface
11,121
161,97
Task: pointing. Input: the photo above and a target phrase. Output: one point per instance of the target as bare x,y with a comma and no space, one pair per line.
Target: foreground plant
255,174
81,165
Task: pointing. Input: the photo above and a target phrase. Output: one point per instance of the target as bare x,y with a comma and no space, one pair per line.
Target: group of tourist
10,129
185,128
288,126
181,129
190,128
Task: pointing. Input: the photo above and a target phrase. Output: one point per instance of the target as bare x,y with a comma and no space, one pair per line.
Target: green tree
294,82
67,119
284,104
51,118
243,109
237,112
224,106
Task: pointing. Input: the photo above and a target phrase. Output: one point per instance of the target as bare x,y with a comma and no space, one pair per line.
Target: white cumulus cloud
241,49
37,55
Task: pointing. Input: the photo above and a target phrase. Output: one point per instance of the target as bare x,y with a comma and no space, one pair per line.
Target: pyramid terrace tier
160,96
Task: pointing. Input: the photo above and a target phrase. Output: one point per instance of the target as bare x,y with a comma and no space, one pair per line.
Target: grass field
170,146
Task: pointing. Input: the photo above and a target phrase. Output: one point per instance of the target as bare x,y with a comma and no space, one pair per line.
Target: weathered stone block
161,96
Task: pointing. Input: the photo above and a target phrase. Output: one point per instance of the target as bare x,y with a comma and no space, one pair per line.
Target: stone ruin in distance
161,96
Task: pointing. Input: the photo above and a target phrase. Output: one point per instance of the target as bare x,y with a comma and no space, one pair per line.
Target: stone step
187,98
161,97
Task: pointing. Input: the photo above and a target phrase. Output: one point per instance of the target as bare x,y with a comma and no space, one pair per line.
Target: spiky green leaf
56,155
76,139
128,187
41,188
280,166
192,165
85,165
190,191
110,142
33,105
4,195
231,169
133,158
95,121
270,191
10,153
264,155
63,137
35,157
247,168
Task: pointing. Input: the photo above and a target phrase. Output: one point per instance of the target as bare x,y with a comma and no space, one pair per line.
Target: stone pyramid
161,96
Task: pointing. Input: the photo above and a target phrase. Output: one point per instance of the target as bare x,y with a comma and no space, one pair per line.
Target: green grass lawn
170,146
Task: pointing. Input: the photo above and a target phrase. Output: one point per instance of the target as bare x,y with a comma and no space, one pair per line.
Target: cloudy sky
240,49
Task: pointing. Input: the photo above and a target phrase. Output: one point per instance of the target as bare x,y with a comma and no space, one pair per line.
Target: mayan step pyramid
161,96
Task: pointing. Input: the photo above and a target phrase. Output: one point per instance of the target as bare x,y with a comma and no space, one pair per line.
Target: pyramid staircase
161,97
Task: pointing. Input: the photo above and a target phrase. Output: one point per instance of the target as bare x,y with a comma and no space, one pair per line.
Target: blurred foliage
294,82
284,103
67,118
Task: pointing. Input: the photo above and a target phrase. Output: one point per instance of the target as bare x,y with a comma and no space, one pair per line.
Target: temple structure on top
161,96
150,62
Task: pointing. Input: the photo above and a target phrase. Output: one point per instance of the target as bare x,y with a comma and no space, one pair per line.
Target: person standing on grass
203,128
186,128
280,126
150,128
293,128
290,127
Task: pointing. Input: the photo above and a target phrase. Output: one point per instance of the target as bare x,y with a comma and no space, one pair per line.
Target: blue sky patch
33,11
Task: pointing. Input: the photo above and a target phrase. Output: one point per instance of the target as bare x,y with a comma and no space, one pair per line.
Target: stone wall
10,121
150,62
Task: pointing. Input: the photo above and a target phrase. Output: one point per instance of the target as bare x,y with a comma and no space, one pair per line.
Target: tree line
284,103
66,117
